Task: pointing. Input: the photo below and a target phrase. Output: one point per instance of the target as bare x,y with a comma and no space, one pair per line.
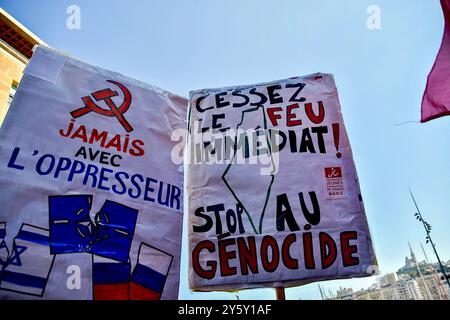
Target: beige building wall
11,69
16,44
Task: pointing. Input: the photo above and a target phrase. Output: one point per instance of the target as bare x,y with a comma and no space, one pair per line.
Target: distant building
369,294
434,285
414,281
386,280
408,290
410,262
16,44
444,285
389,293
344,294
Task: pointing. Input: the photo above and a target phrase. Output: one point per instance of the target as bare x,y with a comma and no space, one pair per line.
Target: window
12,92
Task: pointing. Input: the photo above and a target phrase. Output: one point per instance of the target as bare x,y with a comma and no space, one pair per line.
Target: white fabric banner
273,194
86,180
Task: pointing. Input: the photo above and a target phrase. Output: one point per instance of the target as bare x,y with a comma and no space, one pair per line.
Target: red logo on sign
333,172
106,95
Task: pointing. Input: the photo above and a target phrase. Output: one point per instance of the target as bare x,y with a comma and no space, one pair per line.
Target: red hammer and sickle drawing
107,95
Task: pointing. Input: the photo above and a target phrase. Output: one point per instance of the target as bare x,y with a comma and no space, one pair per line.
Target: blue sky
381,75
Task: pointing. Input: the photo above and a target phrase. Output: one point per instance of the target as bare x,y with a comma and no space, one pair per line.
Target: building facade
433,284
414,281
344,294
408,290
388,279
16,44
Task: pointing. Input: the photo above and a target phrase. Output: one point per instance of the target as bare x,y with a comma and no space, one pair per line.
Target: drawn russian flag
30,262
110,279
150,274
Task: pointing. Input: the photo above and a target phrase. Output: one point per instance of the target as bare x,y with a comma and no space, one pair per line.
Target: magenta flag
436,99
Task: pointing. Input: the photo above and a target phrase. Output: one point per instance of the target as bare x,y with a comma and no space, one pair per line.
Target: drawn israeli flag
2,230
150,274
110,279
30,262
3,249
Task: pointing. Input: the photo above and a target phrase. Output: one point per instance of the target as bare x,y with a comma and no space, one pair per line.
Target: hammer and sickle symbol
106,95
334,173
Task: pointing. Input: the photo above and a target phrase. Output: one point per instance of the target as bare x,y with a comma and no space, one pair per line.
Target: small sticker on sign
334,183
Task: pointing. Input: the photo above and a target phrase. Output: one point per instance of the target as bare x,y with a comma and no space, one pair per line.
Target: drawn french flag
150,274
110,279
30,262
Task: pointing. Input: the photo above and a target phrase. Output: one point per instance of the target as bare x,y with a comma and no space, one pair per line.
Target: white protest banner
87,180
272,190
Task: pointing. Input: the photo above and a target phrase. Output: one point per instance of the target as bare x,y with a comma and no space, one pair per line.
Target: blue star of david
15,258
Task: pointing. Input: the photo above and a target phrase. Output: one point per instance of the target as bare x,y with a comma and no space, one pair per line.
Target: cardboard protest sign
87,179
272,190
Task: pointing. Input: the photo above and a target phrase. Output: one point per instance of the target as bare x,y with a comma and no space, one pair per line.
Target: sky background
380,74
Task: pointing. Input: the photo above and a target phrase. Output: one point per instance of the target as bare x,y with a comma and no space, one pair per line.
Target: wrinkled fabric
436,99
